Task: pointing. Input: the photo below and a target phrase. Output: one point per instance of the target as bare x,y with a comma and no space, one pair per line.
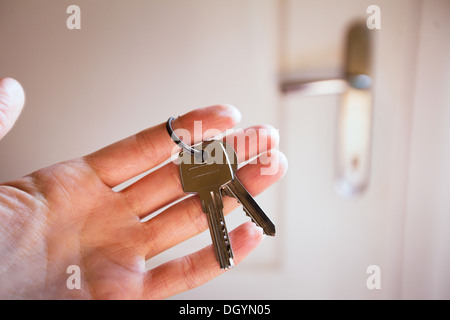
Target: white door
332,241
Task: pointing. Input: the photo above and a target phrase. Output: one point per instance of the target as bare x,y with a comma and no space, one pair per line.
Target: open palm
68,214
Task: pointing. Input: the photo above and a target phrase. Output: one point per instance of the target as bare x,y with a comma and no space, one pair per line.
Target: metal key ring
195,152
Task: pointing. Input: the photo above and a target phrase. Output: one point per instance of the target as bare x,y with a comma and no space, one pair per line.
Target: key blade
213,205
237,190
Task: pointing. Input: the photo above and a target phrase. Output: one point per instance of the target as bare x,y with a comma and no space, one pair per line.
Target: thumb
12,99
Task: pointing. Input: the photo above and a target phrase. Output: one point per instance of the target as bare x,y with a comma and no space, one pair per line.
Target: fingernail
232,112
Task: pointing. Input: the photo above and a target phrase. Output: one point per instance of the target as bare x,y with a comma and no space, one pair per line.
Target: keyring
198,154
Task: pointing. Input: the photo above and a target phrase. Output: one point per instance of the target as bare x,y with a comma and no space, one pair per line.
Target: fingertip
282,161
272,163
12,99
15,90
245,239
229,112
274,134
214,119
268,132
255,234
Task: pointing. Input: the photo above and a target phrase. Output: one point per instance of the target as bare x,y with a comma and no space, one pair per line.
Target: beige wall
132,65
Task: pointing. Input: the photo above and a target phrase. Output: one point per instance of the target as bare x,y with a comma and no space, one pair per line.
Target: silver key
206,179
237,190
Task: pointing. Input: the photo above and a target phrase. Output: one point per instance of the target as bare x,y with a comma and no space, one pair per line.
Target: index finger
131,156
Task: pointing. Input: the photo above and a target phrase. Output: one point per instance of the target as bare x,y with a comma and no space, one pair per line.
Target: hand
68,214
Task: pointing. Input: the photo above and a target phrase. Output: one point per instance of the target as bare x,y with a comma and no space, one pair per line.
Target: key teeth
253,220
228,245
248,215
229,193
269,233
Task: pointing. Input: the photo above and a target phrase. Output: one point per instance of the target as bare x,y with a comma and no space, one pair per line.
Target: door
335,244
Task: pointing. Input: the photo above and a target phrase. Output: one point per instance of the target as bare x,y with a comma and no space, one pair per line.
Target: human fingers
131,156
193,270
163,186
186,219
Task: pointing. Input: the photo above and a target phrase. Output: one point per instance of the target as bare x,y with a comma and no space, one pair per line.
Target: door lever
354,120
357,68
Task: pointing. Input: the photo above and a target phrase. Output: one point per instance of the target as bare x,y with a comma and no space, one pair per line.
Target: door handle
354,120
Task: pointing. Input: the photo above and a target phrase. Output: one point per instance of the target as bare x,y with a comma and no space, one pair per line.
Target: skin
68,214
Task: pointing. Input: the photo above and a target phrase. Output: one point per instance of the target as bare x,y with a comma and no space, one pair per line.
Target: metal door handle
357,68
354,123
